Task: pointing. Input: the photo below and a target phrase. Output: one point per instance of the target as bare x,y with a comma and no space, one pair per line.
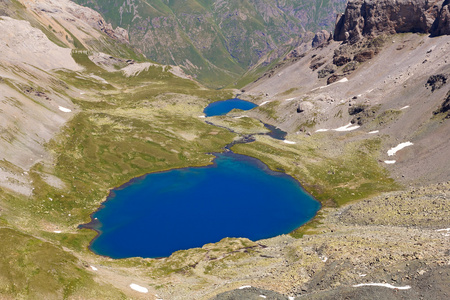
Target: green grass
34,269
333,180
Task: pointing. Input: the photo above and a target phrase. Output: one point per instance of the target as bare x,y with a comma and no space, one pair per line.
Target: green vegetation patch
34,269
332,178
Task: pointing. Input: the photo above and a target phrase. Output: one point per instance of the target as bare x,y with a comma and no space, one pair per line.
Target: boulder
321,38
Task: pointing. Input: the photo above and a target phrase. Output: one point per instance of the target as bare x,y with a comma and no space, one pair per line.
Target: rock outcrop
371,18
442,23
321,38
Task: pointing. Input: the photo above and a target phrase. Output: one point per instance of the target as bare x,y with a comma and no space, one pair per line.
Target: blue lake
223,107
237,196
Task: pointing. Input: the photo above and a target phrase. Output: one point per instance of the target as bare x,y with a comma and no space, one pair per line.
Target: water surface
223,107
237,196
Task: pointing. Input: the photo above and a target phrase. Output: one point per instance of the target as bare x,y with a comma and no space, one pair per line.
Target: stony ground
366,242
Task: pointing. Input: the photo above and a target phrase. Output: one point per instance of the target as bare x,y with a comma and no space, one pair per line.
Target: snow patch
243,116
57,231
444,229
399,147
94,268
406,287
323,258
390,162
245,287
290,99
138,288
404,107
265,102
373,132
289,142
322,130
348,127
262,296
63,109
202,117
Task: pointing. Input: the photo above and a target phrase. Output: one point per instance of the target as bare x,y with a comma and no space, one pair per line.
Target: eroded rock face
321,38
442,24
374,17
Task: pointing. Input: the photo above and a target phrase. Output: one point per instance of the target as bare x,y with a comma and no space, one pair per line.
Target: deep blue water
220,108
237,196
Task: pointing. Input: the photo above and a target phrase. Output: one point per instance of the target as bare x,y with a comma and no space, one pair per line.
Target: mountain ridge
214,39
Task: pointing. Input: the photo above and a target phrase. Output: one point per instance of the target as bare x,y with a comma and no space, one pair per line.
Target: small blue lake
223,107
237,196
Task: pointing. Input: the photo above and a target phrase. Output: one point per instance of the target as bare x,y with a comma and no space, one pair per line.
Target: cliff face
442,24
371,18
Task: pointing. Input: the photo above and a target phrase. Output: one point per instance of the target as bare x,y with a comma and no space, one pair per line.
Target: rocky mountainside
214,40
377,80
372,18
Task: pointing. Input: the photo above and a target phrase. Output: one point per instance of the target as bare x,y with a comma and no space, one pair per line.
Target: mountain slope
216,41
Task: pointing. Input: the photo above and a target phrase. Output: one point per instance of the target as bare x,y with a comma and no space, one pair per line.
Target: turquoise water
220,108
237,196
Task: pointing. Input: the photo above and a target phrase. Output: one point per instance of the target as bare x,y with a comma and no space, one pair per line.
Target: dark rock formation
341,60
333,78
445,107
442,23
321,38
327,70
364,55
316,63
350,67
374,17
436,81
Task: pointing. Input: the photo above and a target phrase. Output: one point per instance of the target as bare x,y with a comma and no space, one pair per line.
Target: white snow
445,229
291,298
290,99
202,117
138,288
243,116
245,287
322,130
262,296
57,231
265,102
399,147
339,81
362,275
390,162
324,258
404,107
373,132
406,287
289,142
94,268
64,109
348,127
